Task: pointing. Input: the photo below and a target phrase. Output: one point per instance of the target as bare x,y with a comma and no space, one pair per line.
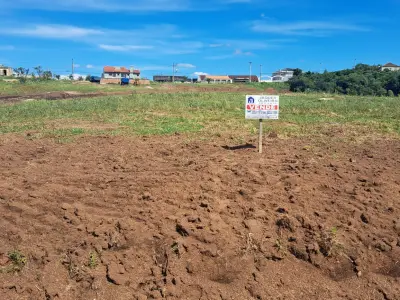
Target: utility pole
260,72
173,72
355,60
72,69
250,71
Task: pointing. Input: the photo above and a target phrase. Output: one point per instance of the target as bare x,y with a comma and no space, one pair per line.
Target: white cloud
240,52
89,67
237,52
114,6
155,68
6,48
199,73
124,48
185,66
154,38
252,44
307,28
51,31
217,45
77,65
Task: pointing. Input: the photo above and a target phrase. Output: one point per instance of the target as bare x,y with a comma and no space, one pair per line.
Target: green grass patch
212,114
37,87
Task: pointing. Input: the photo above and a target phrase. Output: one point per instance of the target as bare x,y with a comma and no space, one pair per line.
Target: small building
215,79
6,71
243,78
390,67
115,75
120,72
283,75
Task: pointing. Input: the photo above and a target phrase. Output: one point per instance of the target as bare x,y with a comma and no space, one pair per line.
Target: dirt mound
154,218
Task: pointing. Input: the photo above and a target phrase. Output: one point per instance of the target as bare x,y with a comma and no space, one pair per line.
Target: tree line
39,74
362,80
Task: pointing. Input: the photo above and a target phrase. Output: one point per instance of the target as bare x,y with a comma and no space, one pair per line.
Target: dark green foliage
363,80
47,75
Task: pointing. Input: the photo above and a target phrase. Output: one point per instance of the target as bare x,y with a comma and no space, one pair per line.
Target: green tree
297,72
87,78
39,71
47,75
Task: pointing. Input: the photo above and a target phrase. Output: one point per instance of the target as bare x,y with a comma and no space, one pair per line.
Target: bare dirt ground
153,218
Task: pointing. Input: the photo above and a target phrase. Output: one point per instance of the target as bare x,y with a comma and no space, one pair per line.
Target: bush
22,80
362,80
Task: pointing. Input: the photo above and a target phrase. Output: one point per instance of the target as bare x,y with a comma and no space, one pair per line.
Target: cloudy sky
208,36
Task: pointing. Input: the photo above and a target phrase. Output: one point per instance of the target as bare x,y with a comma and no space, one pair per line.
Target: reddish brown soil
168,219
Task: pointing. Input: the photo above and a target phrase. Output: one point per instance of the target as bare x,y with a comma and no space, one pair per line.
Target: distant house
119,75
390,67
243,78
6,71
215,79
120,72
283,75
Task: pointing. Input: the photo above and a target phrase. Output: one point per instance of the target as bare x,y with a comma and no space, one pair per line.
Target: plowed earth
153,218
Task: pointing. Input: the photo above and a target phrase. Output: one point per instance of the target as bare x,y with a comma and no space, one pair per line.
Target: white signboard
262,107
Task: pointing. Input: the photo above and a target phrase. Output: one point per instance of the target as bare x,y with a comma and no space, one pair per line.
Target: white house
6,71
390,67
282,75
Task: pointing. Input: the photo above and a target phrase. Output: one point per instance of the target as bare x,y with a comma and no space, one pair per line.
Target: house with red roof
120,72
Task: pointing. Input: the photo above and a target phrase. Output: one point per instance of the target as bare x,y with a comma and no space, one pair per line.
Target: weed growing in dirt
281,247
17,258
18,262
93,260
329,244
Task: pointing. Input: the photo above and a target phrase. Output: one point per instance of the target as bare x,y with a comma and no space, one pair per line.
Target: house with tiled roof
390,67
215,79
243,78
120,72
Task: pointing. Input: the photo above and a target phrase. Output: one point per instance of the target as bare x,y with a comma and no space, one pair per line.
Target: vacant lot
164,196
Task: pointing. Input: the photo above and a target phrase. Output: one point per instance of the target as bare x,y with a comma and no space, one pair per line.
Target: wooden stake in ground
260,137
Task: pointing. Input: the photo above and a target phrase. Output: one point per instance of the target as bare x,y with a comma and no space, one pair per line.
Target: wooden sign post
260,137
262,107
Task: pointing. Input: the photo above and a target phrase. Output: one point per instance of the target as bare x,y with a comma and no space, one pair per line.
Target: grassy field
206,114
35,87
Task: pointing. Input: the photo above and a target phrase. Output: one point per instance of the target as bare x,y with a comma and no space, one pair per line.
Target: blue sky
208,36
